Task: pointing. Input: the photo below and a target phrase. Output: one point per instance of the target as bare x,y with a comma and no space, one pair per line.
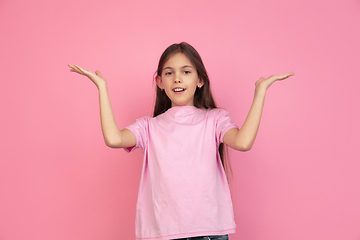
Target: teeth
178,89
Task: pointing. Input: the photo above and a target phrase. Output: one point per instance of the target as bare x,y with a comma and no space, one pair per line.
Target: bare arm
243,139
113,136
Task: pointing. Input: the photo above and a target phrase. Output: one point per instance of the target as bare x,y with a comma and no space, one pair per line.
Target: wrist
260,91
102,85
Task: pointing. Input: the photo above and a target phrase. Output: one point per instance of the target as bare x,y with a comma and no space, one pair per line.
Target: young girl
183,191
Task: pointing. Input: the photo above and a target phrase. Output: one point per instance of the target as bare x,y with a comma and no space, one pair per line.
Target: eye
187,72
168,73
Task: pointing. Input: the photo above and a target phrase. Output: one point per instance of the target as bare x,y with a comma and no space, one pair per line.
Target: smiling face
179,80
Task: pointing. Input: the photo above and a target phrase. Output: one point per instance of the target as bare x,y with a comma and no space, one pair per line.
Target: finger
97,72
79,70
73,68
289,74
78,67
83,71
284,76
259,80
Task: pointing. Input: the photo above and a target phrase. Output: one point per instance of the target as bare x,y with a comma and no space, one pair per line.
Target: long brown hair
203,97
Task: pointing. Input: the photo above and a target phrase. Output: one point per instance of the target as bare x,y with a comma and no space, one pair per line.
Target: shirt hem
185,235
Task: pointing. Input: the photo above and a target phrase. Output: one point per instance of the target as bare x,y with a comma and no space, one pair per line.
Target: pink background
59,181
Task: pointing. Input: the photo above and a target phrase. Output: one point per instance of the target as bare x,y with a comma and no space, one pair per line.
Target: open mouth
179,89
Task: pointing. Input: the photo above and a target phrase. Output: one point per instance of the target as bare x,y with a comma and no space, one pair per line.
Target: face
179,80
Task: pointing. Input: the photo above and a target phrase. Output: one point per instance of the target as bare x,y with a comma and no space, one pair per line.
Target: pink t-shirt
183,189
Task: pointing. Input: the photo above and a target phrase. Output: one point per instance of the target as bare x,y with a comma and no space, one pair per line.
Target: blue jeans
217,237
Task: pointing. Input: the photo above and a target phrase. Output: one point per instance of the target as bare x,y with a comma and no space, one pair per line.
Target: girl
183,191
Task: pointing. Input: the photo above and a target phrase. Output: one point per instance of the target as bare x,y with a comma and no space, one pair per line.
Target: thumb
262,78
97,72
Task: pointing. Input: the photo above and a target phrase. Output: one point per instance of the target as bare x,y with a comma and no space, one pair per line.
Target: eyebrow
181,67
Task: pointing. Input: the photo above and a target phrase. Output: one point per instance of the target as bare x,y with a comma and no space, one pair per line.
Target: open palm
267,82
96,77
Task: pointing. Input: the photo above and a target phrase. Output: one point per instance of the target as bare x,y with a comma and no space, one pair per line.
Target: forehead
178,60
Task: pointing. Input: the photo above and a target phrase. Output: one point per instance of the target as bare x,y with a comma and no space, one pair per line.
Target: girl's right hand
96,77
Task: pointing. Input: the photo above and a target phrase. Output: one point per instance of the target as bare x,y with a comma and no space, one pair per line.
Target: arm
243,139
113,136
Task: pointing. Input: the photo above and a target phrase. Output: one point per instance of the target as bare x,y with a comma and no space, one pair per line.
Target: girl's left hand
265,83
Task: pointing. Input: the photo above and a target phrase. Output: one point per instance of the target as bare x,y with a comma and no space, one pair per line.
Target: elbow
113,143
244,147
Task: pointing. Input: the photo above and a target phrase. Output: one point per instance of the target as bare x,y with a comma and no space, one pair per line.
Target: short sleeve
223,124
140,129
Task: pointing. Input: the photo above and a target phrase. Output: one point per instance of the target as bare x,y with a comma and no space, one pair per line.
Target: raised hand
243,139
96,77
265,83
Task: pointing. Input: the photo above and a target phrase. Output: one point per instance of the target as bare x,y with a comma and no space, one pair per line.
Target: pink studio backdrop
58,180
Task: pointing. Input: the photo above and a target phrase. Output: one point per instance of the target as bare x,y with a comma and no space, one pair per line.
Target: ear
159,82
200,83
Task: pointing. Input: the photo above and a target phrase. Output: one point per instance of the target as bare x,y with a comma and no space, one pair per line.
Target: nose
177,78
